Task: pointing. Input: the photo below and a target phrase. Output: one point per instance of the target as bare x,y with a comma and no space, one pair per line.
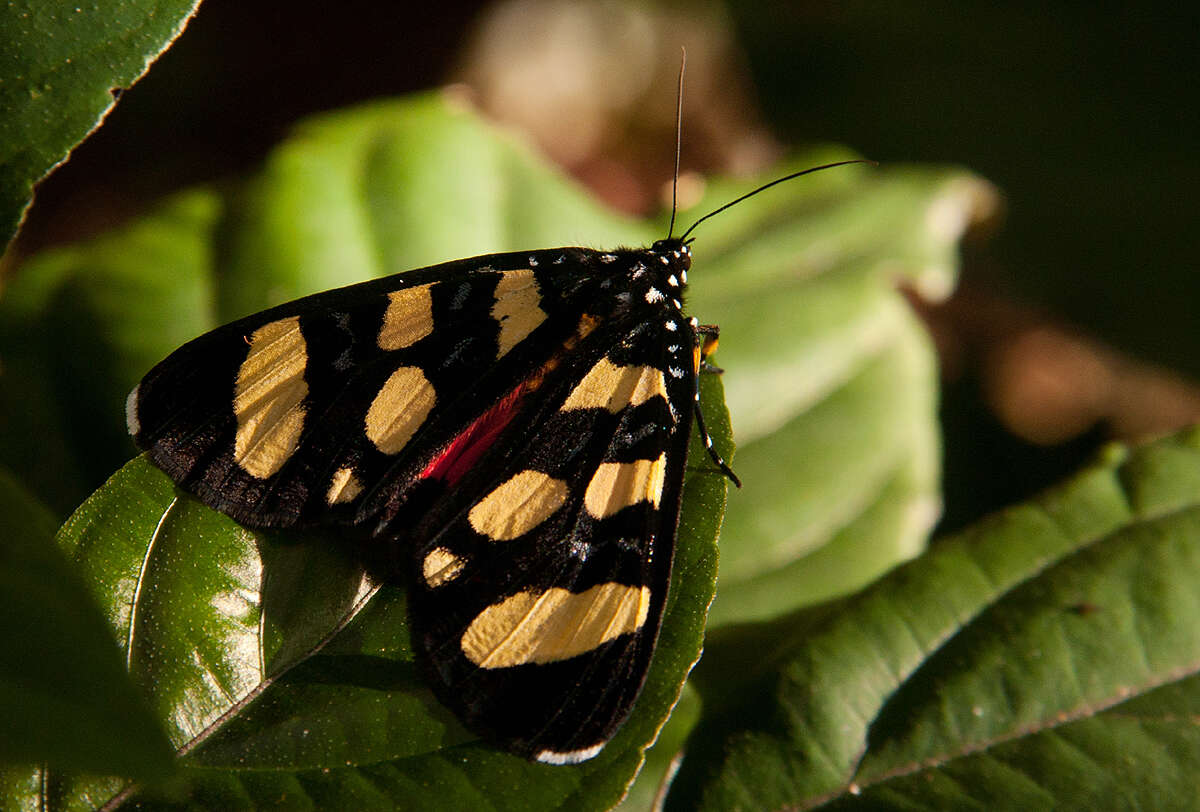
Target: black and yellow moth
513,426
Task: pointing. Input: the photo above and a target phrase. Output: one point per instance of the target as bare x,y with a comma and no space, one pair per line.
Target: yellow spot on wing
441,567
516,308
545,627
518,506
403,403
268,397
613,387
408,318
343,487
616,485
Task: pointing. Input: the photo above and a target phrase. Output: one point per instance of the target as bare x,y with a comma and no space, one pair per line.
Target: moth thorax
658,276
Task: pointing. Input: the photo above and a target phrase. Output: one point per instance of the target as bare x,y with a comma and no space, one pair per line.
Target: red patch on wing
467,447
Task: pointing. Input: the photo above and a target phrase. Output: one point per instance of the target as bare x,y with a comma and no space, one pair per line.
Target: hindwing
537,603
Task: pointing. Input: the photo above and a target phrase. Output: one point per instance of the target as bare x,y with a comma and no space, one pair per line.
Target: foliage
61,67
1041,655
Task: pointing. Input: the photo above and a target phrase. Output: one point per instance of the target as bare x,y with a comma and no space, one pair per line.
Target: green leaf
392,186
81,325
60,64
1044,658
830,378
268,653
227,632
664,757
280,654
59,669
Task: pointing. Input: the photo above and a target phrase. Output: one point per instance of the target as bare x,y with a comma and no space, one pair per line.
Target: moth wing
535,607
296,415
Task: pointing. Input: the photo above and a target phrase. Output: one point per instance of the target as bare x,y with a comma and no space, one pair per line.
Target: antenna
678,140
766,186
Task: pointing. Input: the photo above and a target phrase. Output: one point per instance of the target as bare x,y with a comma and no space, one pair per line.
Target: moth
514,425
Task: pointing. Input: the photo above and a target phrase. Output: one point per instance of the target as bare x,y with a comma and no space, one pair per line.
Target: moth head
677,253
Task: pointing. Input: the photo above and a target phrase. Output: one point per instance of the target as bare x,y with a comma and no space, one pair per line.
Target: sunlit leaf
1044,658
61,65
278,671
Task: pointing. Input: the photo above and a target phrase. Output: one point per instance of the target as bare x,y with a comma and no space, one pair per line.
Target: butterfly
513,426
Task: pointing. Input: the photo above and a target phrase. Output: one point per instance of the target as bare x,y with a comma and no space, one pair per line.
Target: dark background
1084,115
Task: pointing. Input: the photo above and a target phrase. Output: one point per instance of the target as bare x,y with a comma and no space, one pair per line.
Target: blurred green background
1084,116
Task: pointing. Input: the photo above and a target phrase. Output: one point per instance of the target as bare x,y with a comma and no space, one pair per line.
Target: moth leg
709,335
706,344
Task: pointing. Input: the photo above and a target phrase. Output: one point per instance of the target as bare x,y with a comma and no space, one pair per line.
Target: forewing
301,413
535,606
